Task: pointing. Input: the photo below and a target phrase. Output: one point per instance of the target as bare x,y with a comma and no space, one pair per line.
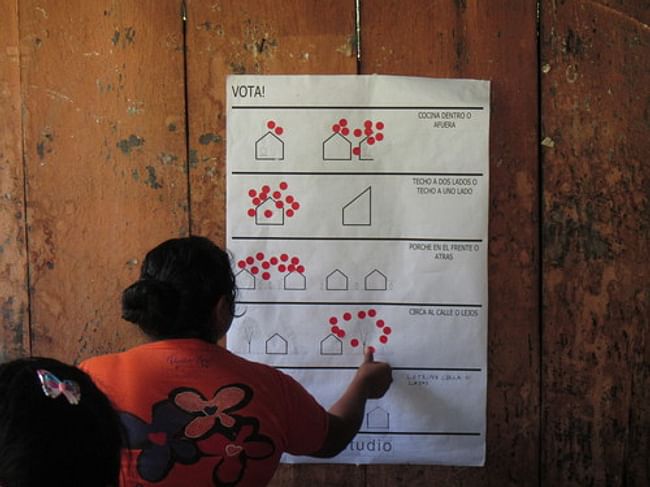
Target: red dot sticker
368,131
379,137
270,124
335,329
345,131
387,330
383,339
361,314
241,264
259,256
266,276
356,151
343,122
279,204
380,125
367,124
289,199
295,205
354,342
279,130
380,323
347,316
372,313
268,213
371,140
250,260
282,267
254,270
256,201
274,260
295,260
263,196
291,268
252,193
357,132
277,195
284,257
333,320
266,189
336,127
265,265
290,213
251,212
283,185
341,334
301,269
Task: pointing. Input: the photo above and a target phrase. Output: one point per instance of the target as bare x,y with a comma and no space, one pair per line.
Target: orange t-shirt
197,415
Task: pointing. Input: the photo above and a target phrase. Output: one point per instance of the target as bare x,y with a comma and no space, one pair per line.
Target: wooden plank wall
112,138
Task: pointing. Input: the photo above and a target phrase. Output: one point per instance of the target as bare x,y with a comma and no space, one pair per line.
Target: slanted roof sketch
295,281
267,213
245,280
331,345
336,281
337,147
358,212
276,344
375,281
269,147
377,418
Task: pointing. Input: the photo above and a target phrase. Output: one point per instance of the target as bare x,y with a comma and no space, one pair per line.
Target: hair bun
150,303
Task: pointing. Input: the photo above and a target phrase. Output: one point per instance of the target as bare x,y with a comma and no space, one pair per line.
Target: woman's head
181,282
56,427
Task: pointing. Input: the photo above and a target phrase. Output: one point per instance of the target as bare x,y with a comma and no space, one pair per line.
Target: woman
197,414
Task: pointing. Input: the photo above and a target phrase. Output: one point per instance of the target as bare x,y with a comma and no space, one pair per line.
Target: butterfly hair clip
53,387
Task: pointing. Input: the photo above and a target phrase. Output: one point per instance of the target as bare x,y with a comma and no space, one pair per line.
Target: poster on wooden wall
357,216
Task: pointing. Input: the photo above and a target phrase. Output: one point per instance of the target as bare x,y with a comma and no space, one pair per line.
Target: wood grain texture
596,121
253,37
250,37
493,40
14,304
105,155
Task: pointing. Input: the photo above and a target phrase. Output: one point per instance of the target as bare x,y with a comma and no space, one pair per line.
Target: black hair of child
47,441
181,281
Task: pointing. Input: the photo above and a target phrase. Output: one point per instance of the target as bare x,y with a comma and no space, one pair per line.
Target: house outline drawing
364,148
295,281
336,281
269,203
337,147
276,344
375,281
269,147
331,345
247,281
378,418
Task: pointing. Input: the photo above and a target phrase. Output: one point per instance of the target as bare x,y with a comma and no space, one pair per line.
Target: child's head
181,282
56,427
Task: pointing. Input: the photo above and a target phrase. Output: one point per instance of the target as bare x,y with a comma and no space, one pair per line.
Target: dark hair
181,281
50,441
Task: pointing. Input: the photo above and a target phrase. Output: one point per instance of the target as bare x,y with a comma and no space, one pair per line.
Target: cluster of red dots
287,202
271,125
371,132
260,263
337,324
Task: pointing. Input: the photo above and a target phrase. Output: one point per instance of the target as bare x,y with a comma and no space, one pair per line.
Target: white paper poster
357,214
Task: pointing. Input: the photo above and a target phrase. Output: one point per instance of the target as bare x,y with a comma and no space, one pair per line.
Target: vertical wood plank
596,121
493,40
255,37
14,331
105,157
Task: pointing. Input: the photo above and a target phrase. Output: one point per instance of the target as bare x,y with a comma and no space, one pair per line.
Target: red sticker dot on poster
295,260
387,330
367,124
371,140
264,196
336,128
380,125
371,349
380,323
266,276
361,315
265,264
277,195
259,256
241,264
356,151
357,132
341,334
368,131
343,122
354,342
251,212
252,193
333,320
268,213
289,212
295,205
254,270
289,199
282,267
383,339
345,131
249,259
283,185
266,189
279,130
291,268
284,257
301,269
279,204
270,124
256,201
379,137
372,313
335,329
347,316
